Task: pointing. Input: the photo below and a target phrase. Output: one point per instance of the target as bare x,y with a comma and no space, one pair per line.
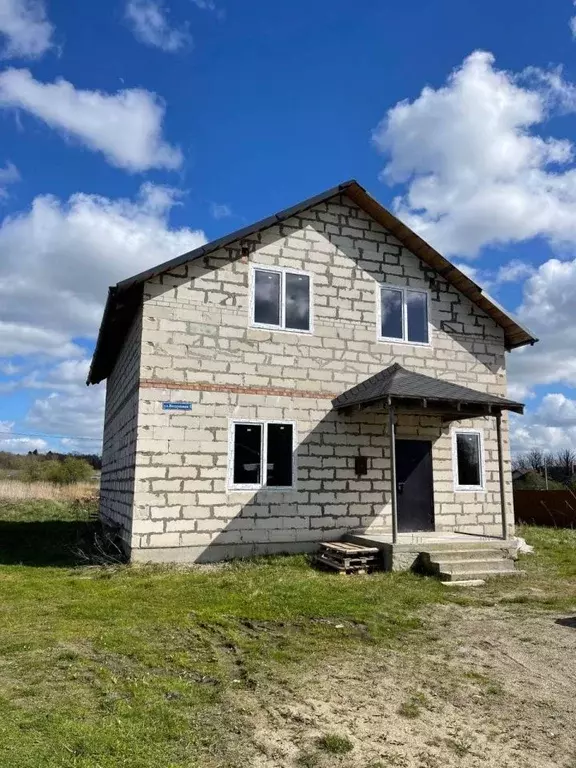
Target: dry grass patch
483,698
16,490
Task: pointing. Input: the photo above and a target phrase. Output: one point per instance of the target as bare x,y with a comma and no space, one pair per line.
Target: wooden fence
552,508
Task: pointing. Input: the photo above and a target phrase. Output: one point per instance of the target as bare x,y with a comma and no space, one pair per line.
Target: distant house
319,373
553,478
520,474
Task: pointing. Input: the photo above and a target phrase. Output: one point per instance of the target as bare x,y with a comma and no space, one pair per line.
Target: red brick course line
204,386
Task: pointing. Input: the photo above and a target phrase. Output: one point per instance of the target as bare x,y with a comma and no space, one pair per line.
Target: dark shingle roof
398,383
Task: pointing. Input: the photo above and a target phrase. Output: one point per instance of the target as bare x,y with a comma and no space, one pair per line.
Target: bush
72,470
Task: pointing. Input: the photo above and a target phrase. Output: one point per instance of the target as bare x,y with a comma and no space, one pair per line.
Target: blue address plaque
177,406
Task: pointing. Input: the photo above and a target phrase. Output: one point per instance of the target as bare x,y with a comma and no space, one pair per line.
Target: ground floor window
261,454
468,460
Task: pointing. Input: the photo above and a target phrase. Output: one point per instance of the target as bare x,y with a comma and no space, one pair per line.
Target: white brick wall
196,334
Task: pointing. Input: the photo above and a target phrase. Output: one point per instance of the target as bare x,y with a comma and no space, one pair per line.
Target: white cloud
58,260
149,22
210,5
8,368
26,31
514,271
18,443
126,126
477,170
60,257
551,427
8,175
77,416
220,210
549,310
519,392
68,376
26,339
572,24
557,410
69,408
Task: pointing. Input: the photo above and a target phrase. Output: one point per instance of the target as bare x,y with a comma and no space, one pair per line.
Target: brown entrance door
414,485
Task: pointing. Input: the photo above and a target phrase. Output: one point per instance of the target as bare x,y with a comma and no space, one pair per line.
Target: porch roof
396,384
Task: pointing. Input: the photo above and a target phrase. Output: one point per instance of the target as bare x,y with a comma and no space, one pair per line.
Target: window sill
469,489
263,327
252,488
404,342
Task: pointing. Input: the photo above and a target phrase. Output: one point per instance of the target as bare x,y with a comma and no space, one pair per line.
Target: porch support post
392,435
501,473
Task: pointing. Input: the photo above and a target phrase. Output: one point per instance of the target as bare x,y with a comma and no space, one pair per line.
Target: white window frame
468,488
263,454
283,271
404,340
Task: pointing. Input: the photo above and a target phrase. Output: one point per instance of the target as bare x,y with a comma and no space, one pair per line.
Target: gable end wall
198,346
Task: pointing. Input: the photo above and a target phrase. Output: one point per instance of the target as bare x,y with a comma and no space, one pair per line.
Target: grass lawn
146,666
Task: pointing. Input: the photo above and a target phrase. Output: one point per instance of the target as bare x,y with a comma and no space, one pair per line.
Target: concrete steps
466,565
463,553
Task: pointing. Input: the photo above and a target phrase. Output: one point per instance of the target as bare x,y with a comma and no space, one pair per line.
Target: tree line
19,461
53,467
543,469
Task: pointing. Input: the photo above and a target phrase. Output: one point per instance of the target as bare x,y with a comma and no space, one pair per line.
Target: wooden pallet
345,557
348,549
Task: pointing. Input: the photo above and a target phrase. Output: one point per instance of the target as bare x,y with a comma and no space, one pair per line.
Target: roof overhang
124,298
515,334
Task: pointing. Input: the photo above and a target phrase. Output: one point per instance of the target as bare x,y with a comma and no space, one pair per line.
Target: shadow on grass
58,543
567,622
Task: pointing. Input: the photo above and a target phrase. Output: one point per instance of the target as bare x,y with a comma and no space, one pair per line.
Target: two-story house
322,372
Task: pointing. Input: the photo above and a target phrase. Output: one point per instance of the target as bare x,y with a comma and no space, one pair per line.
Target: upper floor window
281,298
403,315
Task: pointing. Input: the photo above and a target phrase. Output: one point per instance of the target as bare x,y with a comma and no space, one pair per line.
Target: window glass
468,456
279,459
247,454
417,316
391,301
297,301
267,297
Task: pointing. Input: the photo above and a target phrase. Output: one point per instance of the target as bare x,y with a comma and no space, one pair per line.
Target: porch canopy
395,386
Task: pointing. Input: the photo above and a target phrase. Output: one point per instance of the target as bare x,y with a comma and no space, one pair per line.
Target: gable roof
125,297
396,382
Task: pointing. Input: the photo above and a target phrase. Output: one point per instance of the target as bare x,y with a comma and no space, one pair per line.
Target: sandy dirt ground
480,687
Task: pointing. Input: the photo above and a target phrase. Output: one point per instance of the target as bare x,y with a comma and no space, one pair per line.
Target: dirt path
483,687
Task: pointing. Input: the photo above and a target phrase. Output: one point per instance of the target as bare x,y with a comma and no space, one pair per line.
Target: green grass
123,666
335,744
555,550
412,707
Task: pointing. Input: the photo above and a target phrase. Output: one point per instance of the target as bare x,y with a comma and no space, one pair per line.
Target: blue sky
131,130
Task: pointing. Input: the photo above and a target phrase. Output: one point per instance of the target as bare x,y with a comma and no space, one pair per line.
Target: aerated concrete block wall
120,436
198,346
